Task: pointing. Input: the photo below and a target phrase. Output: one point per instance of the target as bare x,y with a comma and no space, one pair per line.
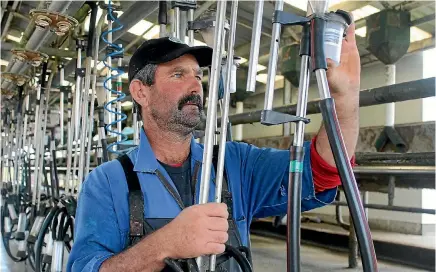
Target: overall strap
226,195
136,198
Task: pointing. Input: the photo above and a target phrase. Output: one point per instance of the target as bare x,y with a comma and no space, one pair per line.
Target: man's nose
195,86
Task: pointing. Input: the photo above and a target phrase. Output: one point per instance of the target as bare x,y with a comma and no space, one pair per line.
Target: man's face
177,94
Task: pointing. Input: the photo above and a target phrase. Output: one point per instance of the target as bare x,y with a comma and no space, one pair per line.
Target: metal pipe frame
254,50
411,90
272,64
391,208
212,107
225,113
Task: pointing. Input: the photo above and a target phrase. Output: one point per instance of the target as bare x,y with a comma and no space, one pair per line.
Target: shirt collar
146,160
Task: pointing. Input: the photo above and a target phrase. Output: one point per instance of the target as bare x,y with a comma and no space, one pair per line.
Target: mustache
191,99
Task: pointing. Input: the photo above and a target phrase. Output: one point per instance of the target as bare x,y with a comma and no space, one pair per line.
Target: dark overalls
141,227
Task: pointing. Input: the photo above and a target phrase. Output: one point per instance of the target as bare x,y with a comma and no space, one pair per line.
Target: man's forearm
347,110
147,255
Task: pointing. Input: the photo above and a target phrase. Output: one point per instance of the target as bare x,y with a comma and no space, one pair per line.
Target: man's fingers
214,248
216,210
218,236
218,224
330,63
351,33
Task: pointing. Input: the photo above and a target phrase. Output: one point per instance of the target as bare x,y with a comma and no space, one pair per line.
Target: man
165,83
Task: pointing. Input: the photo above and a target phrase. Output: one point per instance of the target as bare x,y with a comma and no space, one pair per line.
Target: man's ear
139,93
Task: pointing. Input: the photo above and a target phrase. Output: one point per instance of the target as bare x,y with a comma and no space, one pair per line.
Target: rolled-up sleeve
97,235
265,182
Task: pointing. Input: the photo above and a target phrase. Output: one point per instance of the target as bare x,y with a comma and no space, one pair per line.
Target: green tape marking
295,166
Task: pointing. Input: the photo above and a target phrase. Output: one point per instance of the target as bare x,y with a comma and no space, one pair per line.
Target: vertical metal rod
287,101
85,119
176,22
26,116
225,113
272,65
76,158
239,128
352,246
390,107
78,96
69,144
365,199
119,89
191,32
212,107
61,104
44,126
295,171
323,86
391,190
94,91
37,133
108,75
19,138
1,138
162,18
303,91
255,45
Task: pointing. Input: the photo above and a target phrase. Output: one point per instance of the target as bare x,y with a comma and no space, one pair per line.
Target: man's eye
178,75
199,78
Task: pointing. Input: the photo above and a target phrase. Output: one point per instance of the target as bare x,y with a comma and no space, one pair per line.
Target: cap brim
203,54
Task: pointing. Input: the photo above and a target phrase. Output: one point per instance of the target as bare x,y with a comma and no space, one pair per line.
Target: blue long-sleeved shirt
258,181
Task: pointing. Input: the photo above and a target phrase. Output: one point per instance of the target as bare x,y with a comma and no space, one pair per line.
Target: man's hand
344,83
345,78
198,230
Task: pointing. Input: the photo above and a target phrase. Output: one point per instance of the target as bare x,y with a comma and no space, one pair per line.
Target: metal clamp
270,117
114,52
285,18
80,72
204,24
184,4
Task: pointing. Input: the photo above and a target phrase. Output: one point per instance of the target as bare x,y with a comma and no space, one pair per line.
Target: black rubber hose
60,231
46,179
54,223
339,218
54,170
92,22
6,238
20,98
247,252
192,265
40,240
162,16
229,135
363,233
103,141
43,77
294,208
317,44
173,265
68,225
243,262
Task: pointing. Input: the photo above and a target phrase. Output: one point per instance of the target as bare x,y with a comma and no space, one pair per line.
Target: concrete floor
269,254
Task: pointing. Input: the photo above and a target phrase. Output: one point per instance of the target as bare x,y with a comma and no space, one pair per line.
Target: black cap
165,49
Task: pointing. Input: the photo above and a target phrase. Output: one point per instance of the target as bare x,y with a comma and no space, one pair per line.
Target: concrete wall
407,69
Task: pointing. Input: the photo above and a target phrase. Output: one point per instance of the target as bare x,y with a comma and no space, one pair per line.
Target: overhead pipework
34,58
56,22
